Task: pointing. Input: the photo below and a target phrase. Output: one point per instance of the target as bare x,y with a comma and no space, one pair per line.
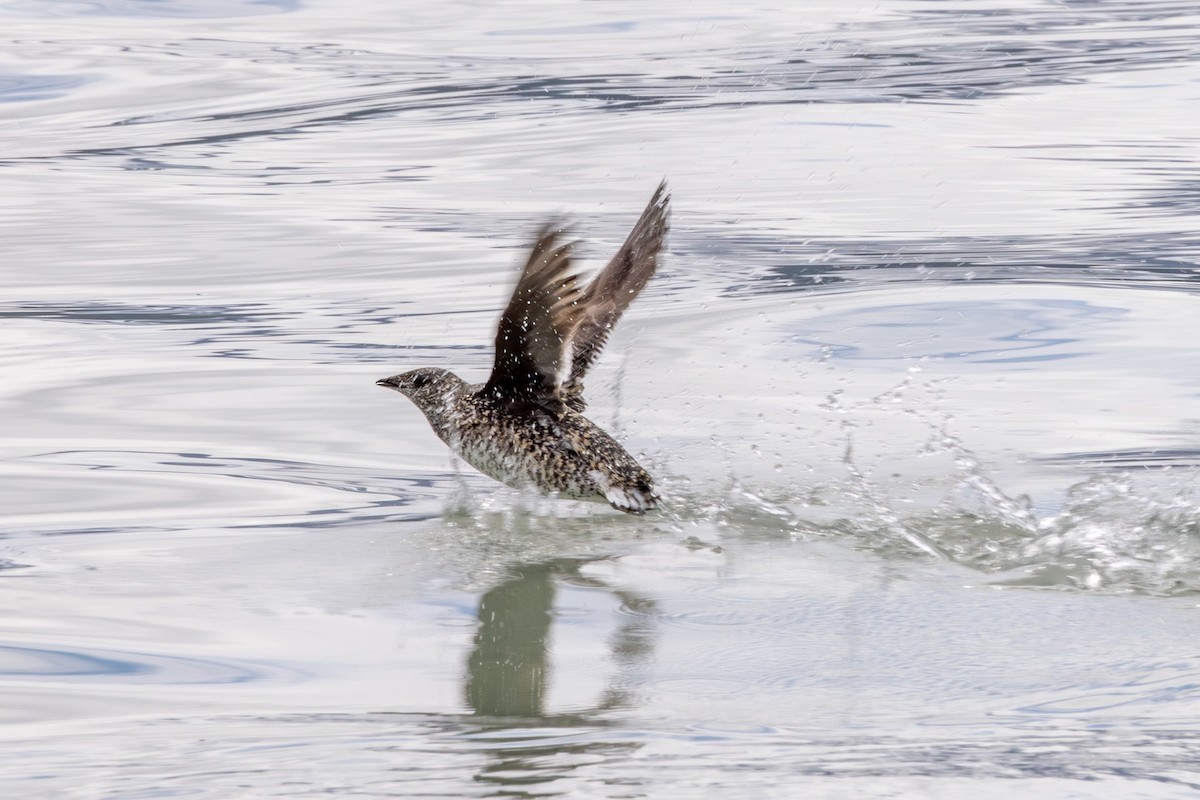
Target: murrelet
525,426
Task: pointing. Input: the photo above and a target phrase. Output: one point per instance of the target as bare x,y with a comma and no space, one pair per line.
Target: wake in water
1117,532
1120,531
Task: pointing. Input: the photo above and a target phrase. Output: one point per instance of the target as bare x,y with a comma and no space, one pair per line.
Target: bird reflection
506,672
509,669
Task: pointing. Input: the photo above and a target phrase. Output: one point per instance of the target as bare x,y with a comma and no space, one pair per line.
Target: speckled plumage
524,427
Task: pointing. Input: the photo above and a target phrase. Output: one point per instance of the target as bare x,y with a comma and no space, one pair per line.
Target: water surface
917,376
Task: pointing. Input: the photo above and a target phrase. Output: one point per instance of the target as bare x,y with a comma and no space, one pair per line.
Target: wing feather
541,317
613,289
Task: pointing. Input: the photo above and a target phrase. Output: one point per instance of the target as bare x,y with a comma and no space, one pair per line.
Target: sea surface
919,377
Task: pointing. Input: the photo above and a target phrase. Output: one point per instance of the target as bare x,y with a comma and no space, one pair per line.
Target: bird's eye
420,380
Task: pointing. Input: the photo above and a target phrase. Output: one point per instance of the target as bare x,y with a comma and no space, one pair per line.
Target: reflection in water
509,670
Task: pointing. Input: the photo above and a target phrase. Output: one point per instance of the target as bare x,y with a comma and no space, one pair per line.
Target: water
917,376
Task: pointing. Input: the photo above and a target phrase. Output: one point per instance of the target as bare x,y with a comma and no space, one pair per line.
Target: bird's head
427,387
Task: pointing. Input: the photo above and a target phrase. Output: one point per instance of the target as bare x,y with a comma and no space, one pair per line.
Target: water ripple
186,9
131,489
28,663
927,55
17,88
335,754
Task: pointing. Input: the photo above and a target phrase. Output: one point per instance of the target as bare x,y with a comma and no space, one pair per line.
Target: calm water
919,376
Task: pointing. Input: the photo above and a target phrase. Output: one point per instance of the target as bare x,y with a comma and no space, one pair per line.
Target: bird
524,426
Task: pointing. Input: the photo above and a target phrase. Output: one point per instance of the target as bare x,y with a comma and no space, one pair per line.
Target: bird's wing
611,291
540,319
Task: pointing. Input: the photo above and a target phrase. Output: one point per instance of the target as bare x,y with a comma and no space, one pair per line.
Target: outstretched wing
541,317
611,291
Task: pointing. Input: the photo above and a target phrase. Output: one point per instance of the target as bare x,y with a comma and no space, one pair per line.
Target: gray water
918,376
